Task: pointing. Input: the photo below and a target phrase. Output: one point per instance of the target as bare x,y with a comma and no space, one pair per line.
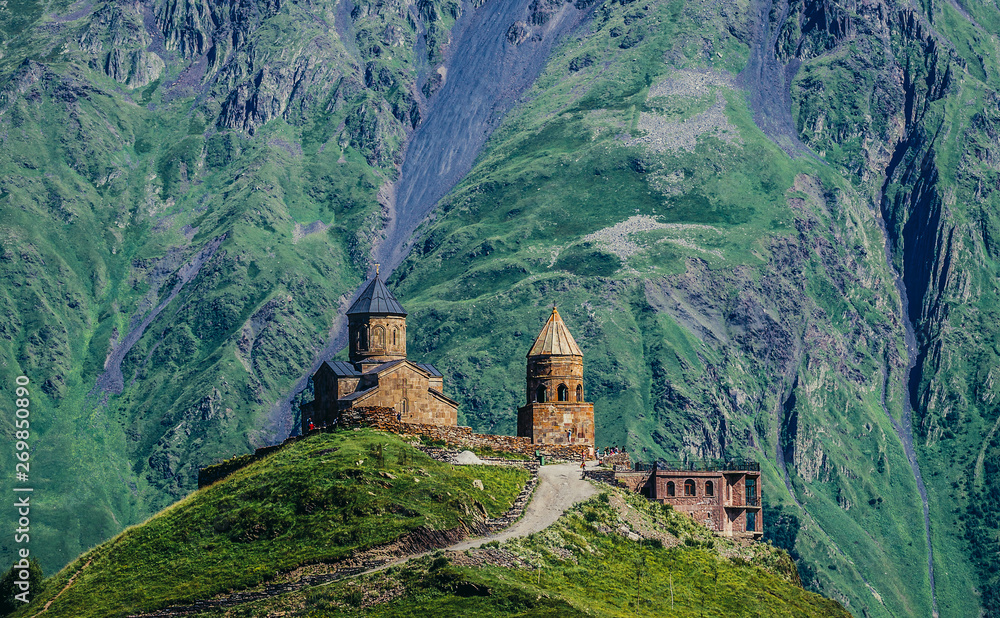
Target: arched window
563,393
378,338
709,488
540,393
363,338
394,334
579,392
689,487
670,488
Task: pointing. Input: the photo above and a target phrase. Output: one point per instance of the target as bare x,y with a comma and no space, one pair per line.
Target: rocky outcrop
199,27
135,69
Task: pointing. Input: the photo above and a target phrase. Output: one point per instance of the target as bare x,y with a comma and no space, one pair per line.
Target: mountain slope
179,233
311,504
751,287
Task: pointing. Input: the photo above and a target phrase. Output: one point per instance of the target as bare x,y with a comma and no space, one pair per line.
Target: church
378,374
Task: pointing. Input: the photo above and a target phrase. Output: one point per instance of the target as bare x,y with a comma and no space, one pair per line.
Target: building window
689,487
670,488
751,521
363,338
563,393
579,392
540,393
394,333
378,337
751,485
709,488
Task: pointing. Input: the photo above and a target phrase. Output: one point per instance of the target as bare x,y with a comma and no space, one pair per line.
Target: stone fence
452,457
385,419
618,461
603,476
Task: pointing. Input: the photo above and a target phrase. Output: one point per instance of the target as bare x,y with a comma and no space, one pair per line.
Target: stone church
379,375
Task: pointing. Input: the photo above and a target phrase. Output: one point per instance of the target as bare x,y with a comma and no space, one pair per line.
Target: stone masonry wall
385,420
618,461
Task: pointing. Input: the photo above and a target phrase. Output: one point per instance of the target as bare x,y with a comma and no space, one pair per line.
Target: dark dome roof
376,298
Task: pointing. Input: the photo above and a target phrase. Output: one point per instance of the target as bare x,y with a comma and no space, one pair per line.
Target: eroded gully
903,426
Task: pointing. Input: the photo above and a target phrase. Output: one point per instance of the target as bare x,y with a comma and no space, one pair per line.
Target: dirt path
559,487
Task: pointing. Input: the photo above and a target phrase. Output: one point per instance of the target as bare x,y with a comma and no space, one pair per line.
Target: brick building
724,496
378,374
556,412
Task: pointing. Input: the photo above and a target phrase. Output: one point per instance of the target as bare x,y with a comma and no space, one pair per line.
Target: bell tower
376,326
555,411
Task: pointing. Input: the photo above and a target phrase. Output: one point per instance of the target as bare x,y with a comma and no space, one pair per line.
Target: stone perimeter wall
385,420
618,461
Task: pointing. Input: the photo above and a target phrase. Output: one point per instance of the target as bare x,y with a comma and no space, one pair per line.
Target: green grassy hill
317,500
321,499
614,555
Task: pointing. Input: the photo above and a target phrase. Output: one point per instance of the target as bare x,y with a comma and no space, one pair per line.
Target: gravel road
559,487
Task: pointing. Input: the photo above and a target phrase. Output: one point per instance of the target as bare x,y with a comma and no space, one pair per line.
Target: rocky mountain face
770,225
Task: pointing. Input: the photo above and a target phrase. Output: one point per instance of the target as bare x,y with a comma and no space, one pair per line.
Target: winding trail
559,487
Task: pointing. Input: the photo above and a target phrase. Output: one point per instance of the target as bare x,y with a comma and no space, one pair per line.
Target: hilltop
318,500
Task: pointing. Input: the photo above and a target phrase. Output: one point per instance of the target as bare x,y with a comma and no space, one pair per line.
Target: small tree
8,603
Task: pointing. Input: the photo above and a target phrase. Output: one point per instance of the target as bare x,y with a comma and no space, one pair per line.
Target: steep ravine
904,425
485,75
767,81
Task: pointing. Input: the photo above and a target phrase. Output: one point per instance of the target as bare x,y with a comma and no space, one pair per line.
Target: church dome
376,299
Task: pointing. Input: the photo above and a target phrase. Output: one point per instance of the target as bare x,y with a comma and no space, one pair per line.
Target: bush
8,603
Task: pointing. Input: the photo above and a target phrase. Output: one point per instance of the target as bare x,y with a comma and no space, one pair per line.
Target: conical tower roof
376,298
555,339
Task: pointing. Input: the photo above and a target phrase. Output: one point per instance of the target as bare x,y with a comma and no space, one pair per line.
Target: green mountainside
316,502
770,225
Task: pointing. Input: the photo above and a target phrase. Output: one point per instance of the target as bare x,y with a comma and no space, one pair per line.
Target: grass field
317,500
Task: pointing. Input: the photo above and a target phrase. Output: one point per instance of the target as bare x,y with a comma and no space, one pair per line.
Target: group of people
609,451
313,426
